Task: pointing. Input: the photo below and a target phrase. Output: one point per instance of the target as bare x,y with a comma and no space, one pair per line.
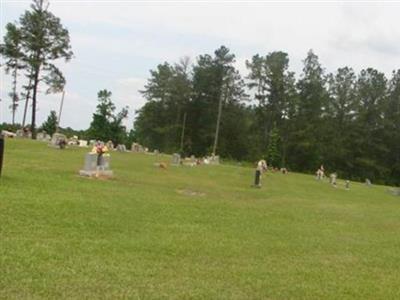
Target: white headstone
176,159
82,143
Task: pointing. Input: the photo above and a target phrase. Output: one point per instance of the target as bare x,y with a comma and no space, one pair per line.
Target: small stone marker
347,184
43,136
176,159
333,177
135,147
368,182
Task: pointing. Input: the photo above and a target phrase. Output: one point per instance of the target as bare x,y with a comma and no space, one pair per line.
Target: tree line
349,122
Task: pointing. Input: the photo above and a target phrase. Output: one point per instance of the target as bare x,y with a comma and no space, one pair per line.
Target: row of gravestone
99,165
74,141
192,161
58,137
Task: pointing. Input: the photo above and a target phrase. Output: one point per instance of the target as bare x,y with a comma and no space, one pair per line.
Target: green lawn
146,235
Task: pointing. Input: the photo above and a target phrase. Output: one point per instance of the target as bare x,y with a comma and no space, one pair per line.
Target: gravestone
23,133
43,136
395,191
347,184
214,159
333,177
135,147
57,139
8,134
176,159
368,182
96,166
73,141
121,148
82,143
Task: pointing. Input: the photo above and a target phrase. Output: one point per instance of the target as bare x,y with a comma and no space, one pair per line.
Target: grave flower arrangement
100,149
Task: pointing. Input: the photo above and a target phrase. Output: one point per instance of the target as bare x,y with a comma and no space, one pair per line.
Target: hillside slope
198,233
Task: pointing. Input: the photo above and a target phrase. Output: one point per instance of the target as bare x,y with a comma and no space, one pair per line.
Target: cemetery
188,232
199,151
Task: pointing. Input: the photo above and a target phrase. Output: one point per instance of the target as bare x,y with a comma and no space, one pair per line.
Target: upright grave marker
97,163
176,159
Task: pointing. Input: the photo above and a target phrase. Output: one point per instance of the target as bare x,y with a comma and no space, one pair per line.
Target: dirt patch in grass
189,192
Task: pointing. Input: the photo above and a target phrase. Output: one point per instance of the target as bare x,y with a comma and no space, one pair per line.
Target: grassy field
188,233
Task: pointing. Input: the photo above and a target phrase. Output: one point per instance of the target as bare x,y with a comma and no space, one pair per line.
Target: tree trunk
222,100
28,92
183,132
15,99
35,86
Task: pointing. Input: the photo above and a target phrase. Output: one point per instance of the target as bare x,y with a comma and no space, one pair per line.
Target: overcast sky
116,43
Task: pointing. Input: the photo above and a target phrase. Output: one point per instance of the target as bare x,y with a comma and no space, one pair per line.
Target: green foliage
348,122
10,127
160,122
69,132
50,125
273,154
106,124
11,51
173,91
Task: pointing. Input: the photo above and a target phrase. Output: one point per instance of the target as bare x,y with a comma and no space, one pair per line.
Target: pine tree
50,125
11,50
44,40
106,125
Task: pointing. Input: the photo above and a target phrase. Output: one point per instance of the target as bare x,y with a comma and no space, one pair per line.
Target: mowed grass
188,233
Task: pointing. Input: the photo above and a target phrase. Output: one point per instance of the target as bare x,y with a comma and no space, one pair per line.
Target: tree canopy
349,122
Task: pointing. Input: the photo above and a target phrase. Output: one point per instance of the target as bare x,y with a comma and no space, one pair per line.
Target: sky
116,43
